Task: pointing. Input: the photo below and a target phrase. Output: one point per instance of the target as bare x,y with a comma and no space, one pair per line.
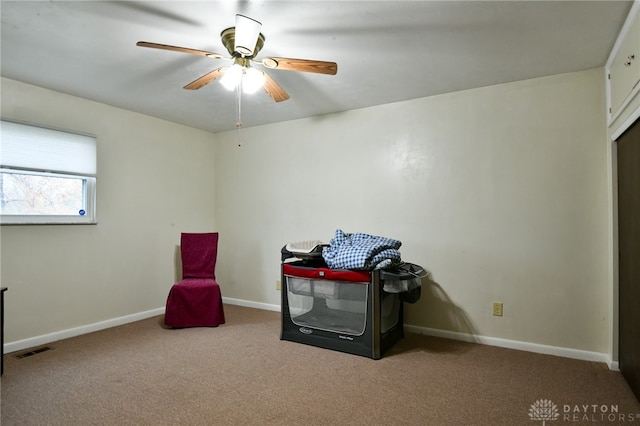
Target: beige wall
155,179
500,192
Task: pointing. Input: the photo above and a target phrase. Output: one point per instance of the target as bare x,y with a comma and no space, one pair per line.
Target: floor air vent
34,352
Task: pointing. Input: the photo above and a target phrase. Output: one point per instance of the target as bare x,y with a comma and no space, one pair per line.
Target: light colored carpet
240,373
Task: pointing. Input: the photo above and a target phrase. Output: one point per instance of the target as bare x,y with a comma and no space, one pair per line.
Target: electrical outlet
278,284
497,309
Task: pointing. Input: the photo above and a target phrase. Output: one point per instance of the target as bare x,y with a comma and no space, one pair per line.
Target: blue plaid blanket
361,251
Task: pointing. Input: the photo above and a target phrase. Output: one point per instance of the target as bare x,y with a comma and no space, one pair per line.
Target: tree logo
545,410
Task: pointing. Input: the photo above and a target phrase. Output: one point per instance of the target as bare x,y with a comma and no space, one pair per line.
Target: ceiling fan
244,42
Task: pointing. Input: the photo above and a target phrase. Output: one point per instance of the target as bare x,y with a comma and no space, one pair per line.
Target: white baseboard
44,339
77,331
485,340
514,344
250,304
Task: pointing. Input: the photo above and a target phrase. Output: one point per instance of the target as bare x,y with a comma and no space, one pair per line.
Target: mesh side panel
335,306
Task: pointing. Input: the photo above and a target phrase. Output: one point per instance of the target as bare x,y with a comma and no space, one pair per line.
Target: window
47,176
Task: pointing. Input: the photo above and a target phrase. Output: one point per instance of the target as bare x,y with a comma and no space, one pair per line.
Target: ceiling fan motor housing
228,37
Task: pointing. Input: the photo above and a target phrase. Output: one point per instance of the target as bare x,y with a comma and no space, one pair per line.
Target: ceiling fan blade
205,79
274,90
179,49
305,65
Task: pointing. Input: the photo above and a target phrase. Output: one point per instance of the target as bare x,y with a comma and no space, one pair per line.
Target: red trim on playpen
363,277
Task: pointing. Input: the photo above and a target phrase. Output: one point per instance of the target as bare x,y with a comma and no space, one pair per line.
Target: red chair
196,301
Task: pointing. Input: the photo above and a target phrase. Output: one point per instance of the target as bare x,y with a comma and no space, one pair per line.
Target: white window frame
89,187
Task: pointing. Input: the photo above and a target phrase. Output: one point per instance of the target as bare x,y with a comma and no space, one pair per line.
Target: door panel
629,255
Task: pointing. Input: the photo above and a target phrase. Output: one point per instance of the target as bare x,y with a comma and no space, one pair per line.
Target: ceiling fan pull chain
239,111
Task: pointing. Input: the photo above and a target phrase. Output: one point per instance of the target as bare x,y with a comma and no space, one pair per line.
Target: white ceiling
386,51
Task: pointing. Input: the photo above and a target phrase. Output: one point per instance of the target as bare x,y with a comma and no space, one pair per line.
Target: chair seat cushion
194,302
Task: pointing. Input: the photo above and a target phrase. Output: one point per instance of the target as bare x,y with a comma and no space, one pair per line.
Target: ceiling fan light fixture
247,31
232,77
252,80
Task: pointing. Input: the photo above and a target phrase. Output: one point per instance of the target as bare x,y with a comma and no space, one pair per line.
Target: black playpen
354,311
